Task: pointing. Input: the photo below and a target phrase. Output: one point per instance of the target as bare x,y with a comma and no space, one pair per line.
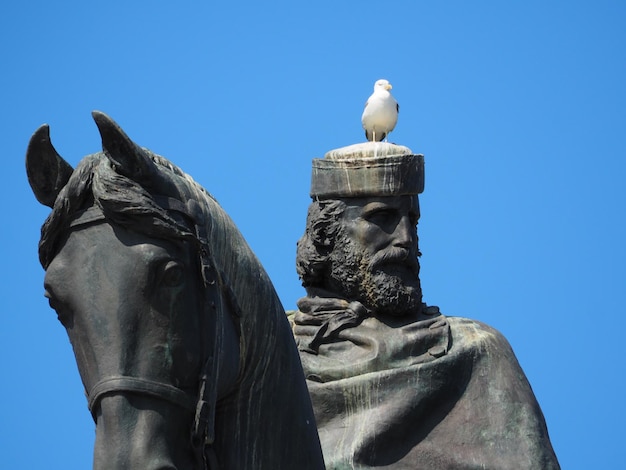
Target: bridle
116,384
203,403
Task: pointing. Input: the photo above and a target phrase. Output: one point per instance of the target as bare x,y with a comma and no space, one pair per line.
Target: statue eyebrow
377,206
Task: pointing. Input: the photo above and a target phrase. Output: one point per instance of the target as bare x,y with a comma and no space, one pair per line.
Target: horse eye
51,300
63,312
173,274
48,293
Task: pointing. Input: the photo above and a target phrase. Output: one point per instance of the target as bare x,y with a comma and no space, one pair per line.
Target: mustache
395,255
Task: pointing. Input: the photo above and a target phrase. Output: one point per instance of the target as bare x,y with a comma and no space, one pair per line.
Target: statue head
360,241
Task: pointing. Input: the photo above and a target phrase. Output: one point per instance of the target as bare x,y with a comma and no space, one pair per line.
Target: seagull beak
388,86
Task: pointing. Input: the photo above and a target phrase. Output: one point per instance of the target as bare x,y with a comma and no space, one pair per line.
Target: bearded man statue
394,383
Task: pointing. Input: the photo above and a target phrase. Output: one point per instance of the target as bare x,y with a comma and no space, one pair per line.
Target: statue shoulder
474,330
480,339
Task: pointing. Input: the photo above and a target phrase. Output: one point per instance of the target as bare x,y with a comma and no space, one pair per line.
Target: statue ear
126,156
47,172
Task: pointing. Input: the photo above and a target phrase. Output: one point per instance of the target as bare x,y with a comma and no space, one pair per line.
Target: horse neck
267,421
269,414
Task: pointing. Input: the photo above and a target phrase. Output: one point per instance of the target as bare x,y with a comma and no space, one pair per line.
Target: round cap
367,169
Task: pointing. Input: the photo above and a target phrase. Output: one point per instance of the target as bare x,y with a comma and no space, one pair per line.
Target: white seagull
381,112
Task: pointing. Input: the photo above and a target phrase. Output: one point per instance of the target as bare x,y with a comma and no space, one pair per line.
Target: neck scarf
331,313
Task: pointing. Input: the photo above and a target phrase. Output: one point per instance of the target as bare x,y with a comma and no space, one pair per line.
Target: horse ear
126,156
46,170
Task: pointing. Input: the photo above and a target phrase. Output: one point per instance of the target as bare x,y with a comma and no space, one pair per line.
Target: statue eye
381,217
173,274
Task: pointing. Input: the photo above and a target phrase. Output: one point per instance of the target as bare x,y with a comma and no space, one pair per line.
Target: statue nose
403,235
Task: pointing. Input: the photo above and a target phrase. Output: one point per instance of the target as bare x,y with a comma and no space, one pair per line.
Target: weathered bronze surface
181,342
395,383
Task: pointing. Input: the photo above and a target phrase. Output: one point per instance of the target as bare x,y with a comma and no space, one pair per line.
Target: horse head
178,334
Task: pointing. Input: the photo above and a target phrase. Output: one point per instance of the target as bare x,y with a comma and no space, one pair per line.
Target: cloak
420,392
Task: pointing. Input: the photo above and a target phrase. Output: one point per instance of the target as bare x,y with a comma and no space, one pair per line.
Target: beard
385,283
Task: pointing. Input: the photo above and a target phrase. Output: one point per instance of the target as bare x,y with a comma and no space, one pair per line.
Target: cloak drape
428,392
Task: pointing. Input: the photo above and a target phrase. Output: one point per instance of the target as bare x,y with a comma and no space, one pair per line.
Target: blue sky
518,107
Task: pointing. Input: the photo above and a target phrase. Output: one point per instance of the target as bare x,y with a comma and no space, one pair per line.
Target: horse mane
122,200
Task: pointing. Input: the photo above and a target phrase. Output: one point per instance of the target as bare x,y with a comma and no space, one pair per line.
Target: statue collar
331,313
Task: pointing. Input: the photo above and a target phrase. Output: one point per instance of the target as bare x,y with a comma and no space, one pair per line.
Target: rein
203,404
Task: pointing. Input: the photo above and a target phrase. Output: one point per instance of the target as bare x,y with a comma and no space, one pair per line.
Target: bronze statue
395,383
180,339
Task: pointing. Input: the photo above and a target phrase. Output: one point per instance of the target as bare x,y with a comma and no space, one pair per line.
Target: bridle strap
203,430
152,388
87,216
94,214
204,404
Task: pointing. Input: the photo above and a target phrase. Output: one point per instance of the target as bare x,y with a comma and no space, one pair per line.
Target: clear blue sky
518,107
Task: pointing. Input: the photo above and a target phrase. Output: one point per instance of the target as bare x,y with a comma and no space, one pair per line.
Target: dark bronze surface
182,344
395,384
